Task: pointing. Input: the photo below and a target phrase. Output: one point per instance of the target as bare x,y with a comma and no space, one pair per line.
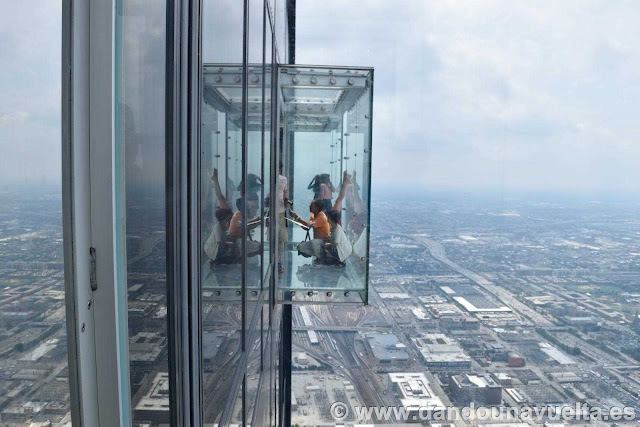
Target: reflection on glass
267,151
261,411
221,208
281,29
222,203
237,409
254,369
256,182
141,116
221,233
275,349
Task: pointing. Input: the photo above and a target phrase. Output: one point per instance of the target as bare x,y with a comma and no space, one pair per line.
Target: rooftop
414,390
386,347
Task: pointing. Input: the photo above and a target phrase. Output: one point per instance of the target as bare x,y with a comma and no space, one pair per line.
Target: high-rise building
194,149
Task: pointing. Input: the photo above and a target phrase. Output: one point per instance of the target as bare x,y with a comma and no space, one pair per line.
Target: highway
438,252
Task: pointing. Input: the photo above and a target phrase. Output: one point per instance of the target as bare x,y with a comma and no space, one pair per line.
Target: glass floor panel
306,280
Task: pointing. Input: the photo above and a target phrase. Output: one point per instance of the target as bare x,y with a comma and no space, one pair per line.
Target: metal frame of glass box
332,101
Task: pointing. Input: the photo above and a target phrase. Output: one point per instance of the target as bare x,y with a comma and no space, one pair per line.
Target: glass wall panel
221,269
255,189
254,364
281,30
267,150
236,414
264,392
142,117
222,203
271,8
275,349
255,177
327,141
266,405
220,210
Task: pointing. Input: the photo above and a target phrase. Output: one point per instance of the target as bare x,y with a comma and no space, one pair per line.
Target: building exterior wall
241,351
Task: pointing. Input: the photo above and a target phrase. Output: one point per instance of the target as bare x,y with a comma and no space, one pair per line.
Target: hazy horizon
389,193
485,96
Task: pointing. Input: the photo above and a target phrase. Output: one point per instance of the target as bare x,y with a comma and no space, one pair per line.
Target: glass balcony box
322,142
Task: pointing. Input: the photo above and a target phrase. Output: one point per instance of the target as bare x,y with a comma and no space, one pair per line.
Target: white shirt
282,187
343,245
212,244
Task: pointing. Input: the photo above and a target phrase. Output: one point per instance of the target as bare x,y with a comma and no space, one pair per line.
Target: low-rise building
480,389
515,360
415,393
386,347
442,352
154,404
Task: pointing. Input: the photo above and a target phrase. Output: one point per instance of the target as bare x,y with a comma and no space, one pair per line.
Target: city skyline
537,299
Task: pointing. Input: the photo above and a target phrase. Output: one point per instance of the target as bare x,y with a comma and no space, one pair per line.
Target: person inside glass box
320,225
234,228
282,204
250,203
338,247
219,247
322,189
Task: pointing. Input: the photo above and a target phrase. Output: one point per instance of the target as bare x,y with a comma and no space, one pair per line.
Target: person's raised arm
358,205
312,183
216,186
337,205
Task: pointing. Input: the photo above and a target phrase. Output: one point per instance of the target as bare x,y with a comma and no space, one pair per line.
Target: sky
30,51
476,94
481,94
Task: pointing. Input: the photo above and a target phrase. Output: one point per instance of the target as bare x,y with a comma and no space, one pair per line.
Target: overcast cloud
30,92
468,94
492,94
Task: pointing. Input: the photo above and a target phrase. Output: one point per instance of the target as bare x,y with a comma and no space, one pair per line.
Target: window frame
93,216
